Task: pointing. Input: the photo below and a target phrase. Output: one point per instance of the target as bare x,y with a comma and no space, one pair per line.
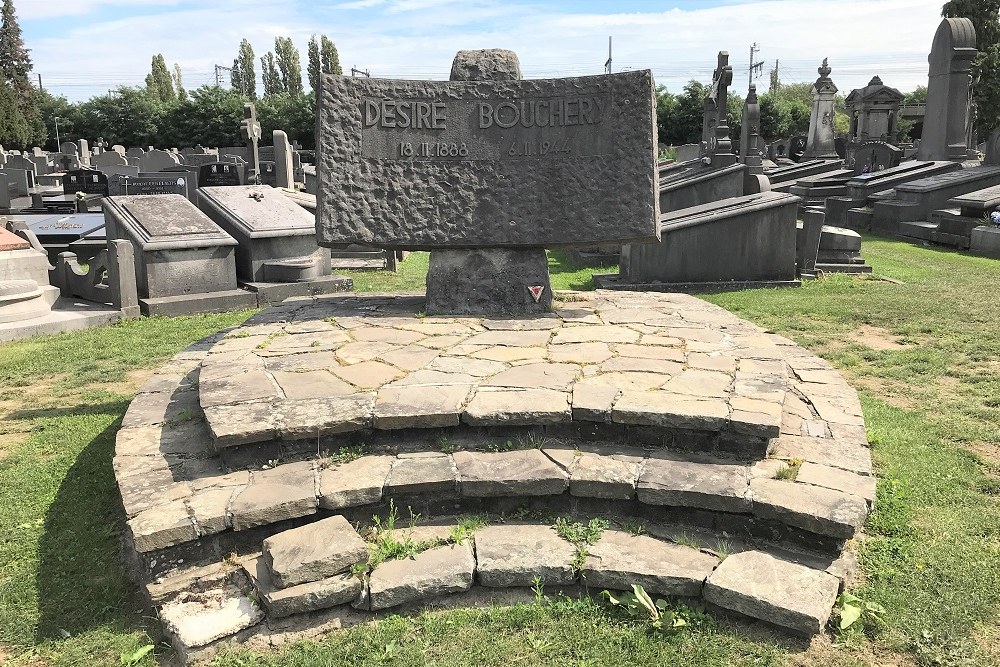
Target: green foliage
271,78
244,75
581,533
14,130
314,67
853,610
178,80
135,657
20,122
639,606
159,82
329,56
286,57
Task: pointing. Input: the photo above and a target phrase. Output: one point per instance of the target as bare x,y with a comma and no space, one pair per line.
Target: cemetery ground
923,350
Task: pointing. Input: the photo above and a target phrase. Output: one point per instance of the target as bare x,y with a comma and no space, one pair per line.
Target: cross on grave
66,161
722,78
250,130
101,145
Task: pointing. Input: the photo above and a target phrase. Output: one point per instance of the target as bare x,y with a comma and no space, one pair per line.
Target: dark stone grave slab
500,163
217,174
161,184
87,181
874,156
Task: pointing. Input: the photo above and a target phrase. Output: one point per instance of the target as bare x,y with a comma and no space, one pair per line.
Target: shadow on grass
81,582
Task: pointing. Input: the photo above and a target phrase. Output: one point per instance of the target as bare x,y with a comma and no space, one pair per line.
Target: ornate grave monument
820,143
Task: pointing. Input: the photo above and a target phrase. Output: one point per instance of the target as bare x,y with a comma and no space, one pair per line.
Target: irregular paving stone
694,382
141,492
210,509
595,334
198,619
593,402
564,458
658,352
416,407
194,579
517,407
831,452
667,409
355,483
426,378
475,367
508,354
368,374
241,388
709,484
428,472
580,353
163,407
314,417
354,353
432,573
311,384
656,339
510,338
626,381
812,508
637,365
712,361
315,551
394,336
161,527
311,596
190,438
619,560
537,376
841,480
409,358
268,502
596,476
542,321
514,555
518,473
242,423
761,586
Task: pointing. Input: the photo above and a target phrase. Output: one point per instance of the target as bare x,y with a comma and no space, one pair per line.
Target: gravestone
184,263
946,118
20,181
22,162
109,159
250,130
268,174
217,174
83,151
526,165
873,156
715,124
157,160
750,145
820,143
81,233
87,181
688,152
4,197
797,147
161,184
284,169
69,148
118,148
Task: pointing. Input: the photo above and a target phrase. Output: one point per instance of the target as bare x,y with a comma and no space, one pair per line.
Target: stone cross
250,130
715,128
101,145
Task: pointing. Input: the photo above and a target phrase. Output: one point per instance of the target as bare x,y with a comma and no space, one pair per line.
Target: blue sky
85,47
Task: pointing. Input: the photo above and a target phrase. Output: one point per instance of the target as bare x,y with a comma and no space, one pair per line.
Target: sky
83,48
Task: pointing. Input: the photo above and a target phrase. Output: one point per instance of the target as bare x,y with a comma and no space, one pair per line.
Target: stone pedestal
25,292
488,281
821,141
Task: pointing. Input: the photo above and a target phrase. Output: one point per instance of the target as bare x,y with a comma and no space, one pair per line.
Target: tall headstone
109,159
283,169
947,116
751,145
83,151
157,160
820,142
250,130
486,170
715,125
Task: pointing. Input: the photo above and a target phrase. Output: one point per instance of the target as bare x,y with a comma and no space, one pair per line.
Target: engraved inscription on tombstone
88,181
218,174
521,163
150,185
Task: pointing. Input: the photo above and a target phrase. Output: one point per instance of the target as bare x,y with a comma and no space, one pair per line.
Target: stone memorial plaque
458,164
87,181
268,174
151,185
874,156
218,174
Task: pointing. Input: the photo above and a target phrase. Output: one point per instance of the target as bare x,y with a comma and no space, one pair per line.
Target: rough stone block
416,407
505,474
265,503
761,586
495,281
840,480
163,526
514,555
704,484
597,476
421,473
812,508
517,407
355,483
438,571
670,410
619,560
198,619
312,596
312,552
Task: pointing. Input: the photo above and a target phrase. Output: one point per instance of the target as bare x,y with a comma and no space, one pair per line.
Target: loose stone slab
432,573
198,619
671,480
761,586
529,163
261,504
514,555
312,552
619,560
162,526
428,472
355,483
840,480
416,407
519,473
812,508
312,596
599,476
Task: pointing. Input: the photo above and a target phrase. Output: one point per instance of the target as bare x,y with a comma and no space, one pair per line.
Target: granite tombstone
87,181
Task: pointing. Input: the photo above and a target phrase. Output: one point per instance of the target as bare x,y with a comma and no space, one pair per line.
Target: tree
210,117
269,72
315,66
329,56
244,74
159,82
127,115
286,57
917,96
15,66
52,107
985,16
179,84
14,131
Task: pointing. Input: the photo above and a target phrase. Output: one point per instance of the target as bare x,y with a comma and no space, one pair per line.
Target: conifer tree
286,57
159,82
329,56
269,72
314,68
179,84
245,62
15,66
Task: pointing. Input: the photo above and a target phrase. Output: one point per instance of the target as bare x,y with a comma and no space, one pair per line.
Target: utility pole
355,71
40,83
607,64
219,69
756,69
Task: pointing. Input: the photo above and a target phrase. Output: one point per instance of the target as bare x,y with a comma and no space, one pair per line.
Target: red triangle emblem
536,292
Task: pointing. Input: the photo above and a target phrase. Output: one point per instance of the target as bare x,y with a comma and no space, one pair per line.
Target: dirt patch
895,394
823,653
127,387
987,451
877,338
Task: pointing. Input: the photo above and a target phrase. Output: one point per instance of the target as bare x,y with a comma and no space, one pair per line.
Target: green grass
931,395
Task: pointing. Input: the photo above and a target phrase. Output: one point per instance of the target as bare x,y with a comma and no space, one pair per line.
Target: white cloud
418,38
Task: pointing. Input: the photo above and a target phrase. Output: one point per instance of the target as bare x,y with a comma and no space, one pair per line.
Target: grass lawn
925,354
